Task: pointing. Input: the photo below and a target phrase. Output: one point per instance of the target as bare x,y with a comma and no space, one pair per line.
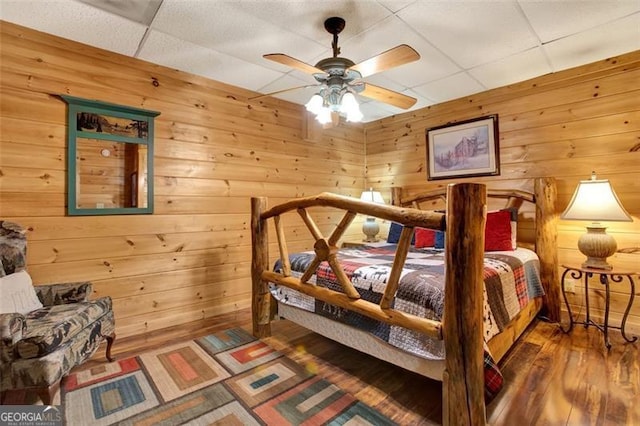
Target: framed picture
465,149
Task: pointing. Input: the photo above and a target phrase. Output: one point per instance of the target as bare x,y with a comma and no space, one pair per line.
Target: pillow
497,233
514,226
439,240
17,294
395,229
394,233
425,237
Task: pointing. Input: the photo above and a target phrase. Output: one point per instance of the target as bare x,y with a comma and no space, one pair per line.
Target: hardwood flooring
551,378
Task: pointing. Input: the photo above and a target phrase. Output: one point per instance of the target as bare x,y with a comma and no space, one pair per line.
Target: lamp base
597,245
370,228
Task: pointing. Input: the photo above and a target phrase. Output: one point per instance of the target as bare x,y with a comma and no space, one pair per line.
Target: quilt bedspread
511,280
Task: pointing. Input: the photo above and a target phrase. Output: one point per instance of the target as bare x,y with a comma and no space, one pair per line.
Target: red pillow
425,237
497,233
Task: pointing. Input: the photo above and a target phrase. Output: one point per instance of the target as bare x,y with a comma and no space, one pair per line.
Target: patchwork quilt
511,280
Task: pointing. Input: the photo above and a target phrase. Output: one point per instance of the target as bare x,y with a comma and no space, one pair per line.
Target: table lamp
595,200
370,226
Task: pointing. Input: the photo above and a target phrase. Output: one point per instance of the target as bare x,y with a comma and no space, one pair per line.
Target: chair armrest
62,294
12,328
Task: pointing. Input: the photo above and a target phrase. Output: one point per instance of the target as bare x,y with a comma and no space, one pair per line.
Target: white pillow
17,294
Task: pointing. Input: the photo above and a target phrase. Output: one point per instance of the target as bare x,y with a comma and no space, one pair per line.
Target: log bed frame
461,328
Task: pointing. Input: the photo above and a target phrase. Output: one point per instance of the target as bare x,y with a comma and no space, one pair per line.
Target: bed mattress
511,280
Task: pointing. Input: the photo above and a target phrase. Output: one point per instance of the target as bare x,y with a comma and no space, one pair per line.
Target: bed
460,329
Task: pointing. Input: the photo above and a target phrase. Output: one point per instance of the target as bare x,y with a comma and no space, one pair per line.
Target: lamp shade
595,200
372,196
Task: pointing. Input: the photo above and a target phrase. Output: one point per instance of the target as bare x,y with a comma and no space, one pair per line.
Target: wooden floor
551,378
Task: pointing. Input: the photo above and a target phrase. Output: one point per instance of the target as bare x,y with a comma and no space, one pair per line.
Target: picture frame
468,148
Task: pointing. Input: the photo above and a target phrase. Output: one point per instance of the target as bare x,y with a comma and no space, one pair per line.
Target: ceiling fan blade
283,91
394,57
388,96
287,60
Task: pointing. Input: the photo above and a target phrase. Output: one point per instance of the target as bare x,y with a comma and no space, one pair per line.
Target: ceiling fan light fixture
324,116
349,106
340,77
315,104
327,101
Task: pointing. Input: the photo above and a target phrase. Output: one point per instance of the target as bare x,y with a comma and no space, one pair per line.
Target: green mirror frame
110,158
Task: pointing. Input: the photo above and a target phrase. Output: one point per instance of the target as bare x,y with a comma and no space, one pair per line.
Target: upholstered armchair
45,330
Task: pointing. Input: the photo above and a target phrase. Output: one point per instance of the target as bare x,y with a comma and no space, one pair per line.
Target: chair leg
47,394
110,340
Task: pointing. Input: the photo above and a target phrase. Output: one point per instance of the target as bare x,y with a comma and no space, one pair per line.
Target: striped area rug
227,378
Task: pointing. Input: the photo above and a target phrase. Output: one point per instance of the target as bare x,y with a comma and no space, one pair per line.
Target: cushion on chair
11,328
36,372
17,294
50,327
13,248
59,294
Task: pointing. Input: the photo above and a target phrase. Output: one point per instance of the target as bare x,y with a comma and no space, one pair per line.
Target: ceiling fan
340,78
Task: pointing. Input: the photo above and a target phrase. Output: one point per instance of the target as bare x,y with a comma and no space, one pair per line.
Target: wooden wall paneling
17,179
182,204
60,61
140,285
479,103
214,148
25,131
74,249
564,125
179,297
20,154
134,265
15,204
152,321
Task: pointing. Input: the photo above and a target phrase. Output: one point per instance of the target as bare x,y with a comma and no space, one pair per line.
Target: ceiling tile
171,52
299,94
453,87
608,40
395,5
432,64
227,28
515,68
306,18
76,21
471,32
141,11
552,20
374,112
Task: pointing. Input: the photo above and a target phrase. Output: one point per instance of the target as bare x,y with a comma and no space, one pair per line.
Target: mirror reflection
111,174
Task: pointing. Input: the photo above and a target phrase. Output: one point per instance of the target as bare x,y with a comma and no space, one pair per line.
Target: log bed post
261,297
547,244
463,378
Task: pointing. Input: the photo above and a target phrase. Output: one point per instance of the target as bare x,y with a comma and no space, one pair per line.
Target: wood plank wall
214,149
564,125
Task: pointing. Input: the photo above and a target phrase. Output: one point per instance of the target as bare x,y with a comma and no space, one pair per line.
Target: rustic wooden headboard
543,196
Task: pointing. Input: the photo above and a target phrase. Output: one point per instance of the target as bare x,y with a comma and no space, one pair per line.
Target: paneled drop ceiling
466,46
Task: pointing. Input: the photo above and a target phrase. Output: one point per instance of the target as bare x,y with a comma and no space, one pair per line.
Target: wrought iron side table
606,276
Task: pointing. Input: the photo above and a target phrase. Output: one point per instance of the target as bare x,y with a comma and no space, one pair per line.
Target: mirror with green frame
110,158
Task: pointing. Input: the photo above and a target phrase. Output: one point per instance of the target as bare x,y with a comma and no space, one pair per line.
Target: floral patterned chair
38,348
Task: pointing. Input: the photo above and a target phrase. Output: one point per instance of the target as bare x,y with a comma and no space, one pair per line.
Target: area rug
227,378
